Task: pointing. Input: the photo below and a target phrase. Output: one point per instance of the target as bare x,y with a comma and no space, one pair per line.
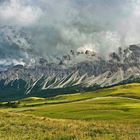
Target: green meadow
106,114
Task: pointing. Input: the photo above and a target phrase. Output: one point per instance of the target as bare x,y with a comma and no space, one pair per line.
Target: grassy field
107,114
15,126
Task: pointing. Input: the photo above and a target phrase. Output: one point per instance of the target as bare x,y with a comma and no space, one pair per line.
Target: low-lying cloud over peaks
57,26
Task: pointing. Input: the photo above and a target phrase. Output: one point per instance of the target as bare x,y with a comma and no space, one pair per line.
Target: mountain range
76,71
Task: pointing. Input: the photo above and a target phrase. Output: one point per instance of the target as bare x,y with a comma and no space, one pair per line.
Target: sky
57,26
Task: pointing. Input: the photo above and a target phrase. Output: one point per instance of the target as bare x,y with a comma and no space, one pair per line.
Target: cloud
19,13
104,24
58,26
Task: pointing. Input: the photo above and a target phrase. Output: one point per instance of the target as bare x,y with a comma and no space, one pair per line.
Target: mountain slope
74,72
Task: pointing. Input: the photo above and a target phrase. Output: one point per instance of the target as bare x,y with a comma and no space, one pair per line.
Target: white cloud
11,62
89,47
17,12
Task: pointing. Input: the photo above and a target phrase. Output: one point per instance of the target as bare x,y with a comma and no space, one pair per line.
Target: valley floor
106,114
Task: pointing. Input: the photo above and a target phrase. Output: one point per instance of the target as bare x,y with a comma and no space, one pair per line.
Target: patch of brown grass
27,127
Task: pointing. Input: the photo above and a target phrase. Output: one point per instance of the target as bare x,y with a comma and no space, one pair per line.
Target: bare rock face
43,62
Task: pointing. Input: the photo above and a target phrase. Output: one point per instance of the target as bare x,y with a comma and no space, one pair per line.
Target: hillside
110,103
109,113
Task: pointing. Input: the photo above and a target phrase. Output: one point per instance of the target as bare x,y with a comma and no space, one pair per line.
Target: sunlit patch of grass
32,99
